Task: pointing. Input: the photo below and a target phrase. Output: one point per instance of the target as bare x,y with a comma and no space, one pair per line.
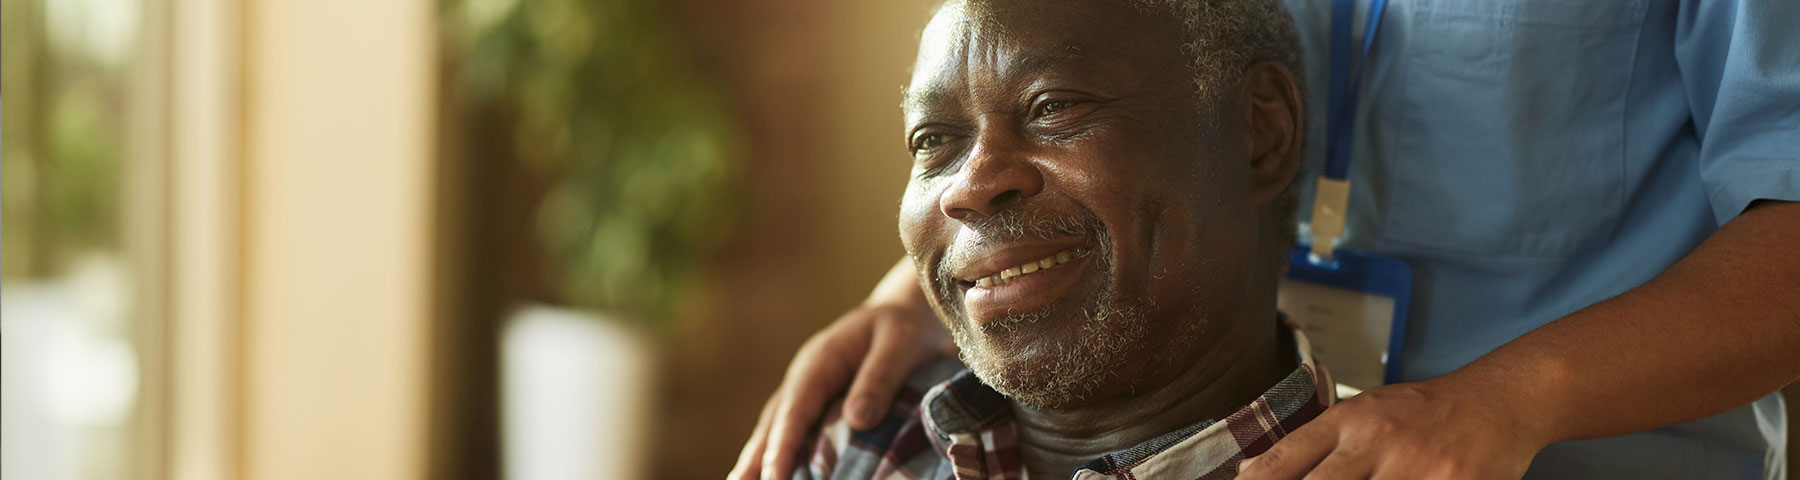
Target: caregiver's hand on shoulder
872,348
1422,430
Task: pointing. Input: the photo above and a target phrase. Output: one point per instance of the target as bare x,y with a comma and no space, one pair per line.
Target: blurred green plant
609,105
62,151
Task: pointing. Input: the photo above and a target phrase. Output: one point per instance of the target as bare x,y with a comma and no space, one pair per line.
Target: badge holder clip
1352,305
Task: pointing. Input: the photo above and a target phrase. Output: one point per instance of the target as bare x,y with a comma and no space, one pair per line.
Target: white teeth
1007,275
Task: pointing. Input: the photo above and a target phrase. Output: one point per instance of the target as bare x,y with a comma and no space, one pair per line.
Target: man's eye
927,142
1052,107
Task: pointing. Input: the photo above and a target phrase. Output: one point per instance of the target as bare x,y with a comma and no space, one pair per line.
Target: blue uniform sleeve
1740,63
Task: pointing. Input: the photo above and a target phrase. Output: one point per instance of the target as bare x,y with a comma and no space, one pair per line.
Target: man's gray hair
1226,37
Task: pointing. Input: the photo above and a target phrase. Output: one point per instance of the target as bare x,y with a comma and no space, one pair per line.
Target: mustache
1012,225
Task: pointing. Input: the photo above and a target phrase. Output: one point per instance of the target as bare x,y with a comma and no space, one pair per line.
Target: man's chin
1037,386
1046,362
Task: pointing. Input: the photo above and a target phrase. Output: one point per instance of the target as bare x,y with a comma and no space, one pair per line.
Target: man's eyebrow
1036,62
1020,68
920,100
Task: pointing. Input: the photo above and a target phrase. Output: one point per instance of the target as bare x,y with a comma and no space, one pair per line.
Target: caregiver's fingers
903,340
749,462
819,372
1292,457
1343,465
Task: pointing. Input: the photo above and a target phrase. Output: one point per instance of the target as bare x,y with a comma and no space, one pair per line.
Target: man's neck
1056,441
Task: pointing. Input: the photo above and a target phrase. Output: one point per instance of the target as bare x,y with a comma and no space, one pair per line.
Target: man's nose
997,173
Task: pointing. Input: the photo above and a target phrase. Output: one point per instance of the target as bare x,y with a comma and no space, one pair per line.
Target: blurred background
525,239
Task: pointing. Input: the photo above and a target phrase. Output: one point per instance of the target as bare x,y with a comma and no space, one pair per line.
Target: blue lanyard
1346,79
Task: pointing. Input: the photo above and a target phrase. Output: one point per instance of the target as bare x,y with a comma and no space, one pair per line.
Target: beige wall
203,237
337,179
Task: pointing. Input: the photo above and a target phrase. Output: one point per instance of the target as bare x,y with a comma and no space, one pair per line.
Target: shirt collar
971,423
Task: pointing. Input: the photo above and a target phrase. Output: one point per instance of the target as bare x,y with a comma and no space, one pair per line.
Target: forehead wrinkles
942,60
944,37
965,47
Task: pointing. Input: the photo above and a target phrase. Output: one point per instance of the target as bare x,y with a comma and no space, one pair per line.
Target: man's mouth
1022,287
1007,275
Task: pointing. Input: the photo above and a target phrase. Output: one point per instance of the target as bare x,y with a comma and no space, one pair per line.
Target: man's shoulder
898,447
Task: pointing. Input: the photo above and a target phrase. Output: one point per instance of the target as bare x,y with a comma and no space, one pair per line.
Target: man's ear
1274,124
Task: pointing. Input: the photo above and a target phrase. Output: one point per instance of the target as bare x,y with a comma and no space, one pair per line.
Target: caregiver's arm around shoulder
872,348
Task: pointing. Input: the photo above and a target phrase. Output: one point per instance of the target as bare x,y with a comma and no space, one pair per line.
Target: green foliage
63,144
610,106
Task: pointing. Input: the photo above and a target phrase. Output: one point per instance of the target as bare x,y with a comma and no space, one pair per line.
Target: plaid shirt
965,431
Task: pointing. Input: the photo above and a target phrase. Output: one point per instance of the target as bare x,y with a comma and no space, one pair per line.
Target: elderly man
1100,206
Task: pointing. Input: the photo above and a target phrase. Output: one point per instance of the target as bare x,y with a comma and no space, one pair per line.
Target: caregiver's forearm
1717,330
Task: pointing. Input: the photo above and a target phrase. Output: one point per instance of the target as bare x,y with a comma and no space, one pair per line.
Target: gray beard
1071,370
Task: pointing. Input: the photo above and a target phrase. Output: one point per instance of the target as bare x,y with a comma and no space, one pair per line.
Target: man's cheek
915,219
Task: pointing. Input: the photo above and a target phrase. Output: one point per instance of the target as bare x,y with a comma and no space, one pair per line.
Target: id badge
1353,310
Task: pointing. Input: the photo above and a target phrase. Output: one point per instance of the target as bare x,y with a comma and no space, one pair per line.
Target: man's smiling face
1076,211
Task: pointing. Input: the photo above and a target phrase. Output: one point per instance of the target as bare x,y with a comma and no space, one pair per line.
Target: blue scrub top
1529,158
